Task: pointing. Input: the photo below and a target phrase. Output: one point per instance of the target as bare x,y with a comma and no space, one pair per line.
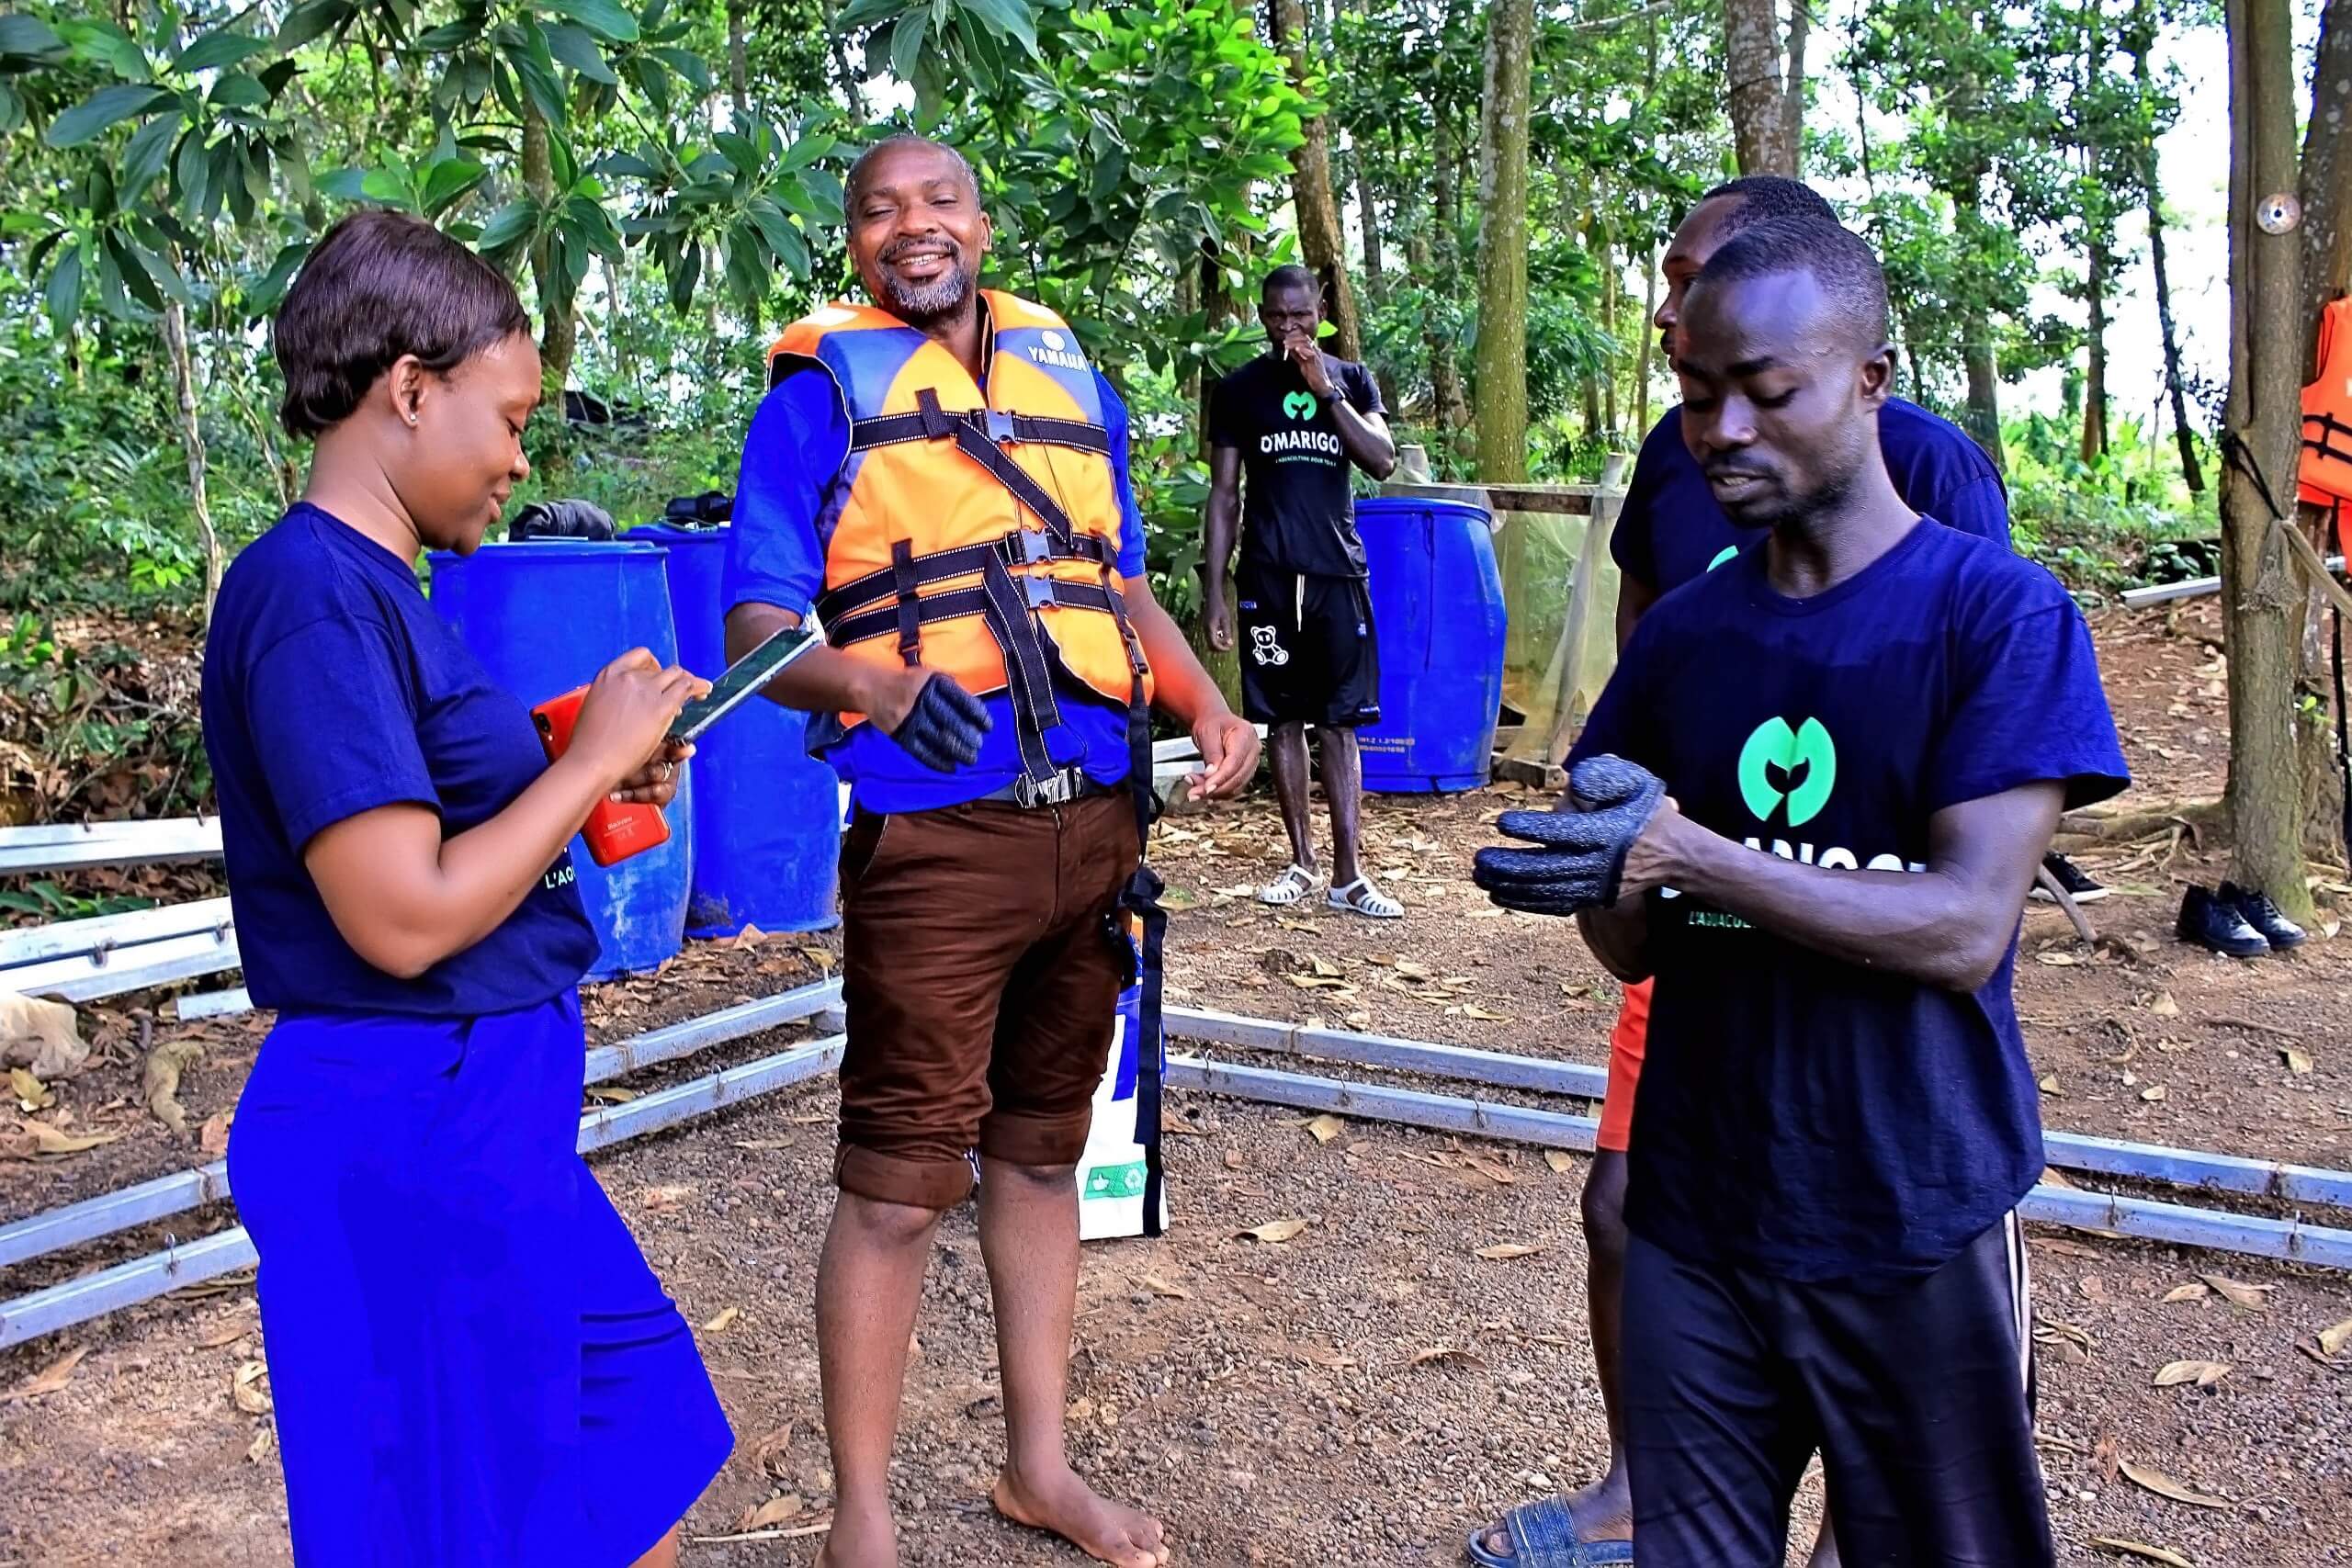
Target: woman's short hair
379,285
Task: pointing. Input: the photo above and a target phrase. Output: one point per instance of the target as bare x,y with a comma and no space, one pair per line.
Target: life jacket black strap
993,424
2332,444
1021,547
974,440
908,614
960,602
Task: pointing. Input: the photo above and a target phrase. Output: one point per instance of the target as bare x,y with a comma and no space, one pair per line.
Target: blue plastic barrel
544,616
768,815
1437,611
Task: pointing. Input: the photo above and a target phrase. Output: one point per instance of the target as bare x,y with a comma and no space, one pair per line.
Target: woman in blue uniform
472,1363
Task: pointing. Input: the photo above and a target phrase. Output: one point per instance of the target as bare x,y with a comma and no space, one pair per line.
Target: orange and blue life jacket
2325,473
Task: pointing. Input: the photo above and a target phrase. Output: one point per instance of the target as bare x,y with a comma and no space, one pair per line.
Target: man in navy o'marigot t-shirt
1868,725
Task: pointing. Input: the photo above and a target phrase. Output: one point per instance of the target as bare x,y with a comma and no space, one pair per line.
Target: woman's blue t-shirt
1799,1114
331,688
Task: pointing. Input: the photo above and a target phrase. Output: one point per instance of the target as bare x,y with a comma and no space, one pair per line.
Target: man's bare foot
1064,1506
860,1538
1604,1511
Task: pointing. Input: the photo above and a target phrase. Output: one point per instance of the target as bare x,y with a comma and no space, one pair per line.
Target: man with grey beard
944,475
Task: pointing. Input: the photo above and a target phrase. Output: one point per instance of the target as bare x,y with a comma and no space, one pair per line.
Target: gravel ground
1370,1390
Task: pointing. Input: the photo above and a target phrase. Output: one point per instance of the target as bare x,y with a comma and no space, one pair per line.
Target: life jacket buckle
1000,427
1033,547
1040,590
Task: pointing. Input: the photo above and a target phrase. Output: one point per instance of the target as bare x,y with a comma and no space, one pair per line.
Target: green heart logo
1799,766
1299,405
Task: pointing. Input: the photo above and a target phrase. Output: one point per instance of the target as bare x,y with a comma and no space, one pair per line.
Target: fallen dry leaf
160,1085
1492,1169
611,1093
723,1321
1504,1250
50,1378
30,1092
213,1136
1560,1160
2049,1085
1323,1129
2058,960
246,1390
2163,1006
2253,1298
2297,1062
226,1334
2155,1092
774,1511
2204,1374
37,1034
1160,1287
2163,1485
2141,1549
2195,1290
49,1140
1272,1231
1444,1353
1234,1159
2332,1340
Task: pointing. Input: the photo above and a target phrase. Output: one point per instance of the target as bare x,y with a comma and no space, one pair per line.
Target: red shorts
1626,1043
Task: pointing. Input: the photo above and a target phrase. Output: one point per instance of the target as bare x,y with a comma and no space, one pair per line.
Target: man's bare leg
1029,1238
1343,788
869,1282
1286,747
1603,1510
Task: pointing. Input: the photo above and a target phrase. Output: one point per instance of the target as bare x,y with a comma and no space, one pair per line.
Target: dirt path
1370,1390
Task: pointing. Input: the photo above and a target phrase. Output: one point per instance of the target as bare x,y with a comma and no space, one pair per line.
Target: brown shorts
980,971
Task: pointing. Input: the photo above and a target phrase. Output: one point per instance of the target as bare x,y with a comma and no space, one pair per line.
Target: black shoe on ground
2256,910
2070,876
2208,922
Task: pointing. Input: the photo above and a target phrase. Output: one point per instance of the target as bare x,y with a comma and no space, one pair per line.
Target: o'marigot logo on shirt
1779,766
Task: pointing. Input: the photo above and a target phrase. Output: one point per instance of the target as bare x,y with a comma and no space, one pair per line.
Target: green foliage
2121,522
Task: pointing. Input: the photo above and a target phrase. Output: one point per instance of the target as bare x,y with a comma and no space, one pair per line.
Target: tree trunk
738,71
1760,102
2140,40
1375,281
1322,240
1500,380
192,440
559,332
1649,341
1609,323
1800,28
1445,375
2095,380
2261,599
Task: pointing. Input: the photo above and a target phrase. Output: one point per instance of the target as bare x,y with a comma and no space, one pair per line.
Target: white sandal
1294,884
1374,904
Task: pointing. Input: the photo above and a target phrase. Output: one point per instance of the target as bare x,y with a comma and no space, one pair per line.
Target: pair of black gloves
1579,859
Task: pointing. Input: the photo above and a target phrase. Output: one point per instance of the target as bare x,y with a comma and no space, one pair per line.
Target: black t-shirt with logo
1297,512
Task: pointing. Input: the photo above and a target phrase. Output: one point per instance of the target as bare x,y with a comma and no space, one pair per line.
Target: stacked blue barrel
1437,610
768,815
755,833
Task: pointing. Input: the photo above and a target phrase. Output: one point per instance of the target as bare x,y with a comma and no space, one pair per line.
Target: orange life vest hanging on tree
976,534
2324,476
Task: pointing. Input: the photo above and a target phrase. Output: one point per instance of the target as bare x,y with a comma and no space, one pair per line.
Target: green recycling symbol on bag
1796,766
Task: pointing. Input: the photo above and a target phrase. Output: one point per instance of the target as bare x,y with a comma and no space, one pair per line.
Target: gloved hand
1583,852
562,519
944,727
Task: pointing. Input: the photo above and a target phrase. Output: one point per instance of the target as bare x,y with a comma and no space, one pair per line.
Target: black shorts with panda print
1309,655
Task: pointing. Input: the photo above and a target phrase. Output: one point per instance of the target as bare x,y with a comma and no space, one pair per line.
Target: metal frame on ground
143,1279
79,846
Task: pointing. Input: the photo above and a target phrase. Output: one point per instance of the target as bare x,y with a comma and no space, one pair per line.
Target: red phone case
614,831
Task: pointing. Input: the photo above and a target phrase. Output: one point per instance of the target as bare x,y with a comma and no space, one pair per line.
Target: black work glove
562,519
943,730
1583,852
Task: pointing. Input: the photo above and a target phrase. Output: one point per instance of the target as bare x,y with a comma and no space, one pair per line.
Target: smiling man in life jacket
944,474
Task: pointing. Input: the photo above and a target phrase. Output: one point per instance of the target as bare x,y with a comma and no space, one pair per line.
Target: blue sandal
1543,1535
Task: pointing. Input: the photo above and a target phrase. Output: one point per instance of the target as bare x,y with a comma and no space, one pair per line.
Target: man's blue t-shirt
331,688
1671,528
1799,1114
775,555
